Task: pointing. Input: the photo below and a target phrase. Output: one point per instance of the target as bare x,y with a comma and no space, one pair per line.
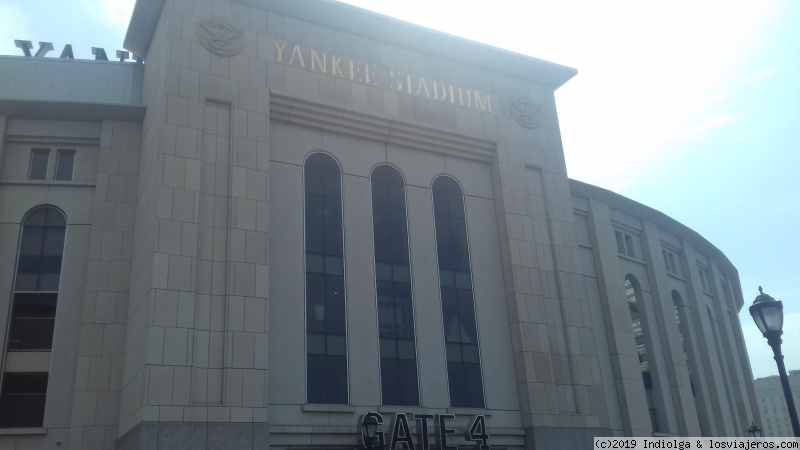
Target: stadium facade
289,214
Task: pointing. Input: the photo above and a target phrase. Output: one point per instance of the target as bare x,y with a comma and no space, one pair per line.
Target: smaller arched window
33,315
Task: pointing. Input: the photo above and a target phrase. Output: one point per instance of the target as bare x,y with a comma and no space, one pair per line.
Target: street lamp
754,430
768,315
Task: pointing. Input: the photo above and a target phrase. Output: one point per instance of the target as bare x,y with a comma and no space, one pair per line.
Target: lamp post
754,430
768,316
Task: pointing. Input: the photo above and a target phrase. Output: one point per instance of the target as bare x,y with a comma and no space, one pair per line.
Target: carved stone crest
219,36
526,112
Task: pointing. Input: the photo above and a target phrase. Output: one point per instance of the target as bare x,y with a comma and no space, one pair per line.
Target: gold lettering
369,75
395,81
336,62
423,85
436,96
461,97
279,49
297,53
355,69
484,105
374,75
317,62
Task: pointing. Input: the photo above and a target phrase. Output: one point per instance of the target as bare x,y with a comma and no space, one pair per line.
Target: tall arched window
393,284
632,291
33,313
458,308
326,331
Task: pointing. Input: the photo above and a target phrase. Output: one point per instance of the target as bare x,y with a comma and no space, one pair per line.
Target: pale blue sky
692,108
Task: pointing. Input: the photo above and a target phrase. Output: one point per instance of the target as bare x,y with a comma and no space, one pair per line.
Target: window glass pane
620,242
455,377
314,224
405,349
456,205
32,238
48,281
37,218
337,380
337,345
316,387
629,246
383,271
454,352
53,218
333,226
399,239
447,279
315,263
32,322
473,386
313,181
50,264
470,353
408,382
466,316
316,344
390,382
463,280
380,196
402,273
38,165
334,265
64,164
331,184
26,281
388,348
22,399
53,241
397,195
315,302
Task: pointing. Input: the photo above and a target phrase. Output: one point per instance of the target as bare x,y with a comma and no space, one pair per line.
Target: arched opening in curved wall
682,319
32,318
633,293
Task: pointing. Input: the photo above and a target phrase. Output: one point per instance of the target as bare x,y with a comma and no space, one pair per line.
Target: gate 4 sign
400,437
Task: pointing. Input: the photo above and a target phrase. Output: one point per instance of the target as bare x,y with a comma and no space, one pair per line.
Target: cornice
390,130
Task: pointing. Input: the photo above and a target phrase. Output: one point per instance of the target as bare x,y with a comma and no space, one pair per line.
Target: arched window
326,331
680,318
723,363
683,332
632,292
458,308
33,313
393,284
